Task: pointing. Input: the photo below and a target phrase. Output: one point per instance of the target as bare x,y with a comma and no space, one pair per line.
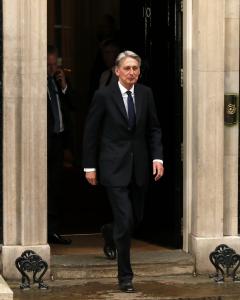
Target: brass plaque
230,109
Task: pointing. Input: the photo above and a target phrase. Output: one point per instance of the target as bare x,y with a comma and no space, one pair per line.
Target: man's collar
123,89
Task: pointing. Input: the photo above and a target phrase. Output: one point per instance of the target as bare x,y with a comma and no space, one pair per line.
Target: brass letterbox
230,109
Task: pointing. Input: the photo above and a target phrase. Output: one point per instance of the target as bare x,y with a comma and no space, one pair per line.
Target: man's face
128,72
51,64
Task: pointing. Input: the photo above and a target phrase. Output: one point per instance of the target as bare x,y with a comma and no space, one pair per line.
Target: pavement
81,272
181,287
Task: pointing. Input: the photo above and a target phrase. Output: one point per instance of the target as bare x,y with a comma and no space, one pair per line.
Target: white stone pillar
24,131
208,131
231,142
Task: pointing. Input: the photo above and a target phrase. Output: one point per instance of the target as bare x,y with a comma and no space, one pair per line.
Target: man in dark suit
59,99
122,132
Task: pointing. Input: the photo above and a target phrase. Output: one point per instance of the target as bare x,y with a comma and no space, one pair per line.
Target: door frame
187,123
1,118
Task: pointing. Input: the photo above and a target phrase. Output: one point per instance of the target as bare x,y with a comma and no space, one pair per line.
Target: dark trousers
127,206
55,178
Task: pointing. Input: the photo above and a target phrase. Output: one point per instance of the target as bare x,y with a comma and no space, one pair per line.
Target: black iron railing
226,262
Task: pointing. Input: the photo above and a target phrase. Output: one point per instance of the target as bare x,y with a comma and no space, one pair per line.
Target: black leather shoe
126,287
109,248
56,238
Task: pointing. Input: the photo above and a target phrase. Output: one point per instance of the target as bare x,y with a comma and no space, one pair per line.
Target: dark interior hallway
73,26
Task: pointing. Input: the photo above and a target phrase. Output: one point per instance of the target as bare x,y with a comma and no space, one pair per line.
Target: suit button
129,128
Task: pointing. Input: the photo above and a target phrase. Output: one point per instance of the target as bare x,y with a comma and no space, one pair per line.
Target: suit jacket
118,153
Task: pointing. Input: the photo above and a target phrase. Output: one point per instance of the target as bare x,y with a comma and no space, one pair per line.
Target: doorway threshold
93,244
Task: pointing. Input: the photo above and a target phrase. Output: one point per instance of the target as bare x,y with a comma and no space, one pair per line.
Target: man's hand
61,79
91,177
158,170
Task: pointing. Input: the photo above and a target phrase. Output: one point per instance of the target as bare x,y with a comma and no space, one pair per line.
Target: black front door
155,33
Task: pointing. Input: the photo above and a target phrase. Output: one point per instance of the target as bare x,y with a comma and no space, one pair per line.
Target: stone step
5,292
149,263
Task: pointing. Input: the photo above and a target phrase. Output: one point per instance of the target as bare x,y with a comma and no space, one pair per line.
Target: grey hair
126,54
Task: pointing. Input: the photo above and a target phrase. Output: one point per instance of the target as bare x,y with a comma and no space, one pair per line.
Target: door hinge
181,5
181,77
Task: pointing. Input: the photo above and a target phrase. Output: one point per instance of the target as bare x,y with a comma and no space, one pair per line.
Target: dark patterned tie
131,110
54,103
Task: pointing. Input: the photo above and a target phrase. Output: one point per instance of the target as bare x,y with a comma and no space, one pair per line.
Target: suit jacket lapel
117,96
138,102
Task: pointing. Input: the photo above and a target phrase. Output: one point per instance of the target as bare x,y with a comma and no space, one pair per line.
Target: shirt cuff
64,90
89,169
158,160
